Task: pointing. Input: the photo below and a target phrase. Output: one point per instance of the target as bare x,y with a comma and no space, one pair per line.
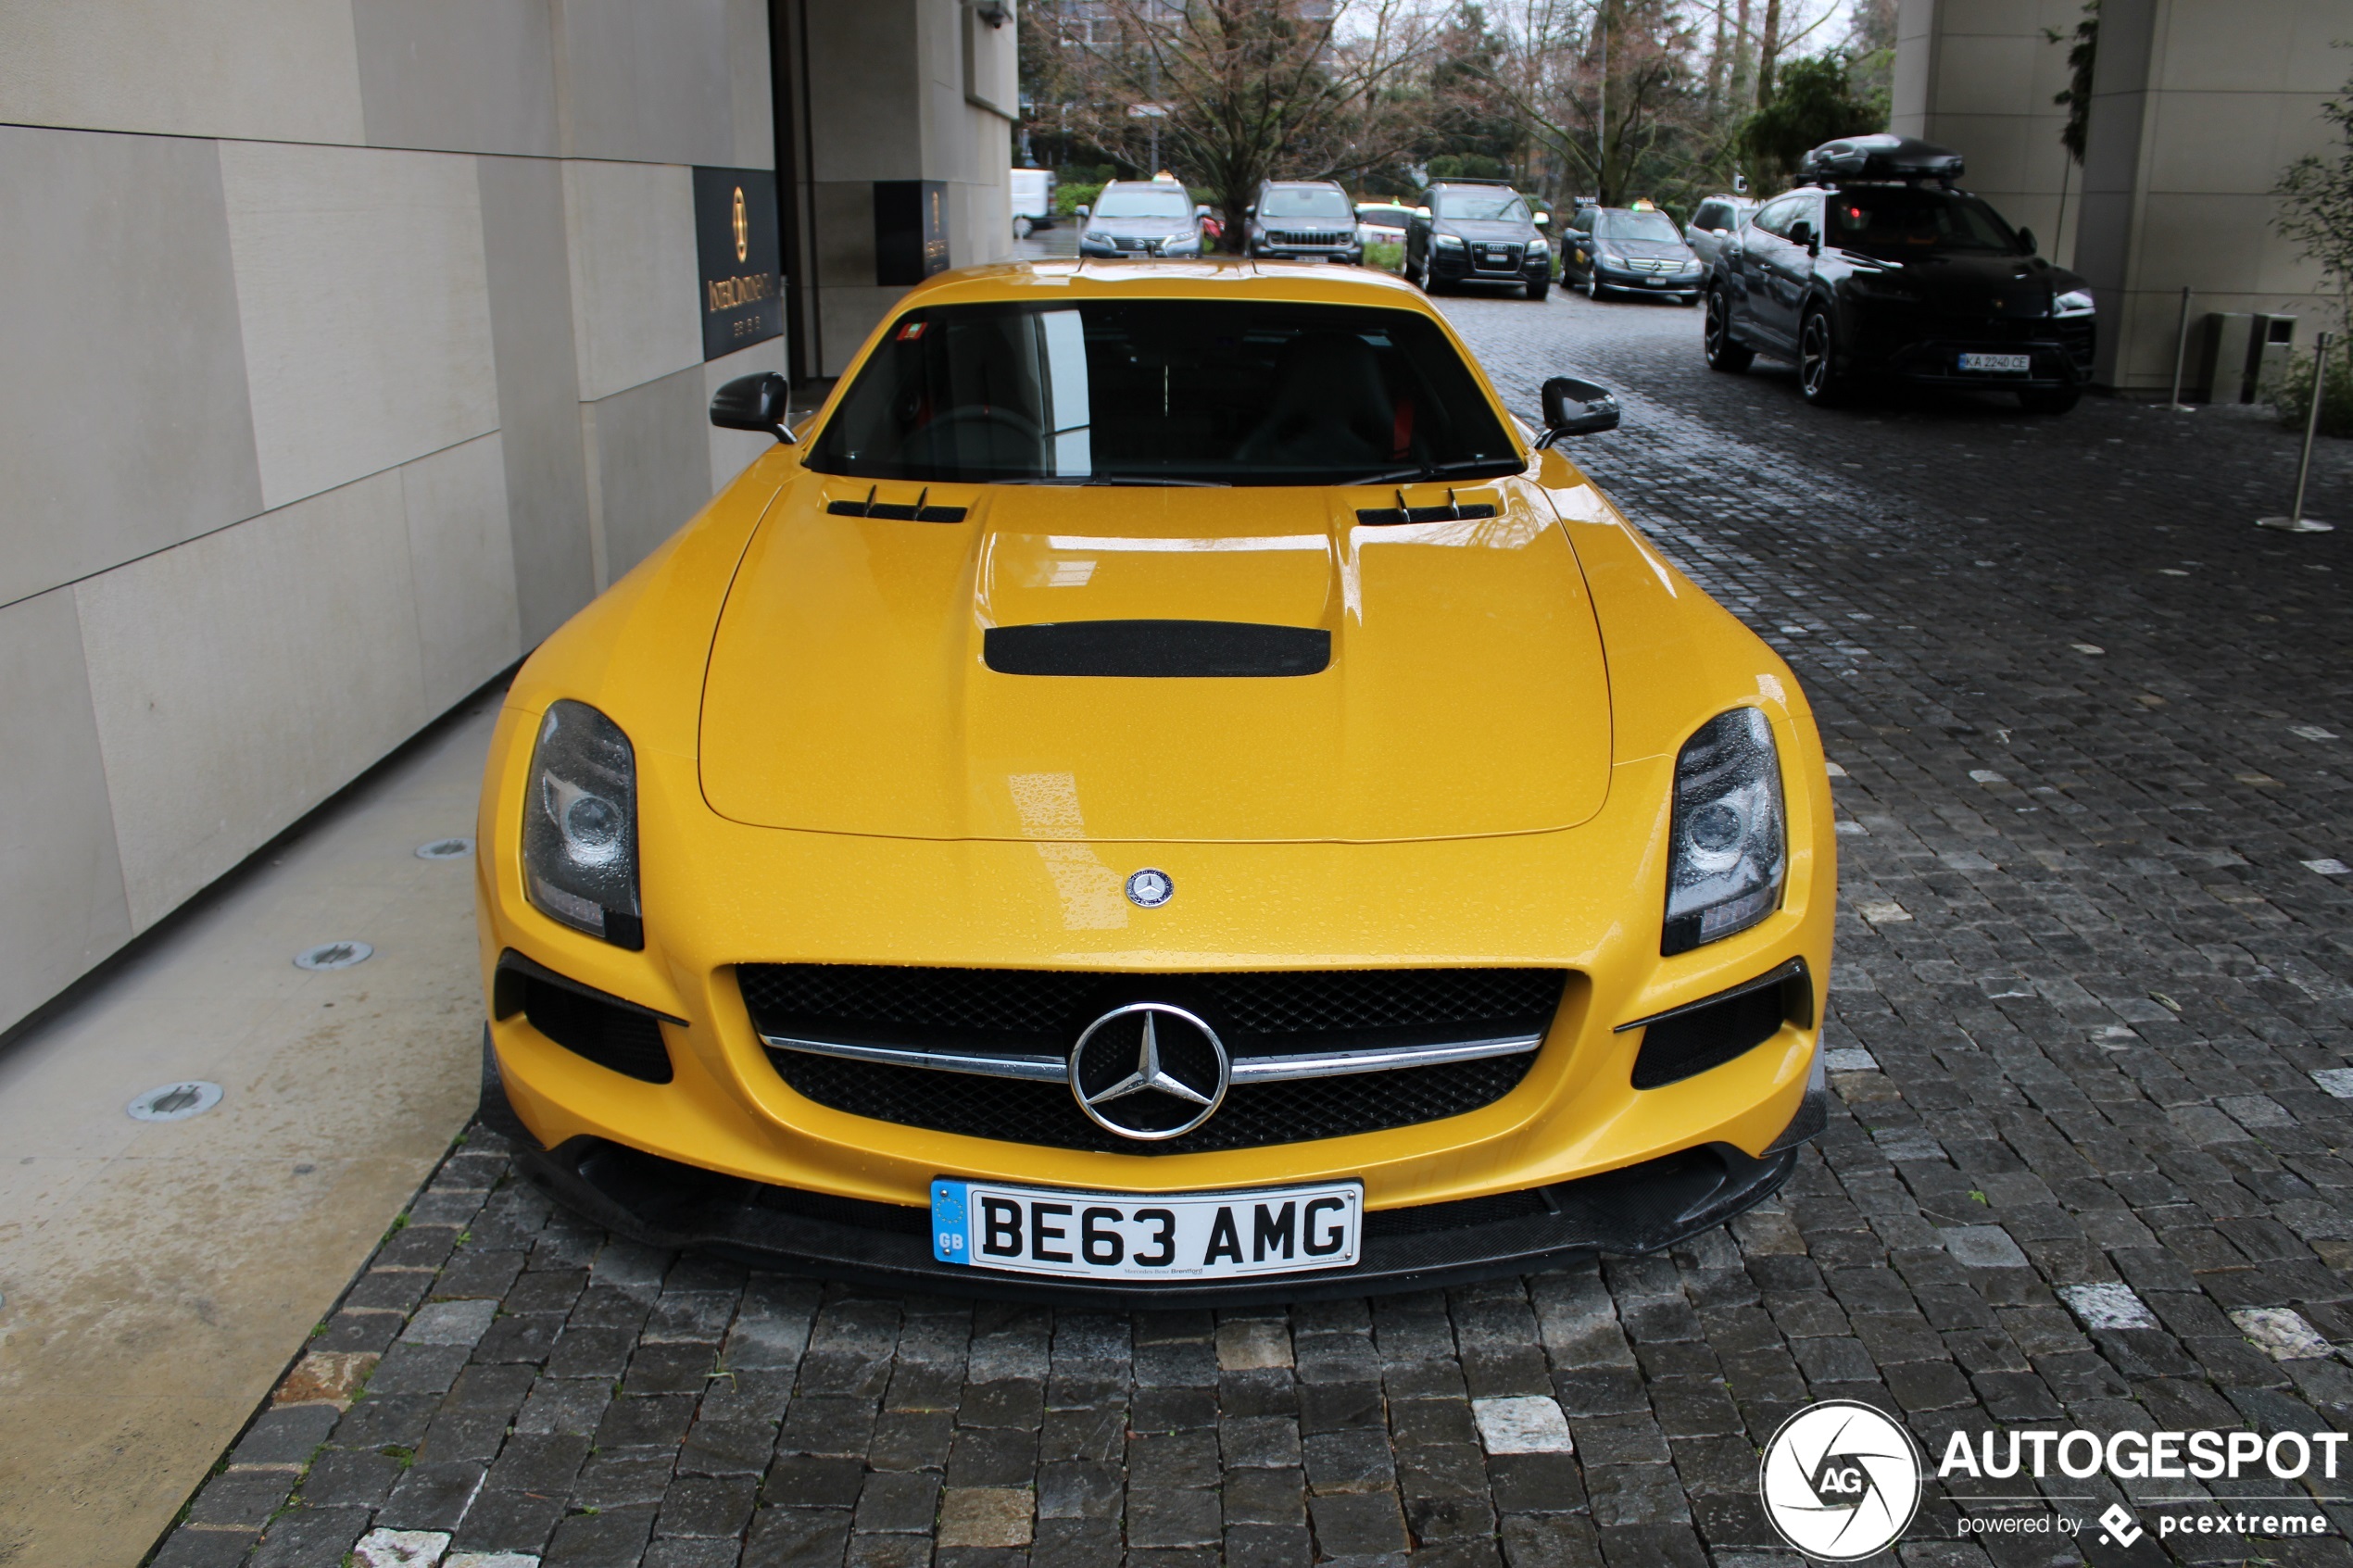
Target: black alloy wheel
1538,287
1818,373
1716,337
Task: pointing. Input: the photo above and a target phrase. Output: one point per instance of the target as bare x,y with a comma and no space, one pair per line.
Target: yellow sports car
1163,790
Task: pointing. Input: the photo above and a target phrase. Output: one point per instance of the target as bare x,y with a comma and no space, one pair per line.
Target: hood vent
1157,649
898,511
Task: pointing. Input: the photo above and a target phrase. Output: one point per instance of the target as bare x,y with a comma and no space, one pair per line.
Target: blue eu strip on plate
949,1240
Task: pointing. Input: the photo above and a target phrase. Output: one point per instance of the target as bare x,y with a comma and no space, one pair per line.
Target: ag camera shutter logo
1841,1481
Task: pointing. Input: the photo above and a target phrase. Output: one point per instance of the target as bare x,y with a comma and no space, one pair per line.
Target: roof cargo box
1881,156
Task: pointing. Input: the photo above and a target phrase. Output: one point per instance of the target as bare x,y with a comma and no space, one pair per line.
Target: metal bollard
2296,521
2180,351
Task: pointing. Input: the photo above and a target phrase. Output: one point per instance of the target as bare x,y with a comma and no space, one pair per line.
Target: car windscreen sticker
950,1241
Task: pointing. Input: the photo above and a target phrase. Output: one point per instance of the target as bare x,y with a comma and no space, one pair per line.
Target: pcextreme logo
1841,1481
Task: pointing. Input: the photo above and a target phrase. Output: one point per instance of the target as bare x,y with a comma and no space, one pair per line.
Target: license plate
1654,283
2001,364
1188,1236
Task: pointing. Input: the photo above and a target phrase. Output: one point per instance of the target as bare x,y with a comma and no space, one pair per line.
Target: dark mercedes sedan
1628,250
1880,267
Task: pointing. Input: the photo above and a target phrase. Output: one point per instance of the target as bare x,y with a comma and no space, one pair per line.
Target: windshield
1306,203
1161,390
1144,201
1637,226
1481,206
1907,220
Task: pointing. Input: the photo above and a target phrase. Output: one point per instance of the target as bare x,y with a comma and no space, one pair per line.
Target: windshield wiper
1495,467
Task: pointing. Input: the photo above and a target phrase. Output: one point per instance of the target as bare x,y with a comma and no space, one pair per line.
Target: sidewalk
158,1276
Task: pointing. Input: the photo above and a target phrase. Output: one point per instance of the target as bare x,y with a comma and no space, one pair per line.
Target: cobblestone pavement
2091,986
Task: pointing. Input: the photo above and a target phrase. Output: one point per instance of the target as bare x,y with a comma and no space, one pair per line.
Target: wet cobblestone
2081,1171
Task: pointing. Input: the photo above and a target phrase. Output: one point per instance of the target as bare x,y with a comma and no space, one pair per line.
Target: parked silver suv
1304,220
1717,219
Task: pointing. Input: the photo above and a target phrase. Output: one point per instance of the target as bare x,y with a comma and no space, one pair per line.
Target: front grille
1685,1044
1308,236
1492,258
1253,1116
1042,1011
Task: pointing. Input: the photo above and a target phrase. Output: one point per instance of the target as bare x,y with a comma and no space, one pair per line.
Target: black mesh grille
1689,1044
1254,1012
619,1037
1254,1115
1042,1011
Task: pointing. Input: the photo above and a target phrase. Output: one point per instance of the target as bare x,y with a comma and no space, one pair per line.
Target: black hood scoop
1157,649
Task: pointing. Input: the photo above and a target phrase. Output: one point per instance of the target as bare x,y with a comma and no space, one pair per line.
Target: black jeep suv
1876,265
1478,231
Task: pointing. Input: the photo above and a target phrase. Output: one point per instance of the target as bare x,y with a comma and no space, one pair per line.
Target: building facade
353,344
2197,107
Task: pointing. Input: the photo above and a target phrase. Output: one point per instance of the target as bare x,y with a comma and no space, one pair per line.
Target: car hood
1470,230
2002,285
1648,250
847,689
1149,228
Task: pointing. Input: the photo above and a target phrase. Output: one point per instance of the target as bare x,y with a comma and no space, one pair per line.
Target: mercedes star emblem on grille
1149,890
1149,1071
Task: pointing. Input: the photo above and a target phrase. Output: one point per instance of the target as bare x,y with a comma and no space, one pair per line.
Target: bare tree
1234,92
1603,86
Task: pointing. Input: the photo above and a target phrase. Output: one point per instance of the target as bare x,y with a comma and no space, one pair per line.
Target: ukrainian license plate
1192,1235
1999,364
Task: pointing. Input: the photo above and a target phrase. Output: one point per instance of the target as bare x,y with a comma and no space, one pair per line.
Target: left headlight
1731,850
2074,302
580,825
1449,242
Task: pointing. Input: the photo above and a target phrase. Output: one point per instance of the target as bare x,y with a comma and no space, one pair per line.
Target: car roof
1310,184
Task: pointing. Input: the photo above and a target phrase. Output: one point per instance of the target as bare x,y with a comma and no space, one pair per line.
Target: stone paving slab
2093,1029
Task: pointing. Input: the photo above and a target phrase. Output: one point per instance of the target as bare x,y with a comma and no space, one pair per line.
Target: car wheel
1817,373
1593,285
1538,287
1716,337
1428,279
2048,399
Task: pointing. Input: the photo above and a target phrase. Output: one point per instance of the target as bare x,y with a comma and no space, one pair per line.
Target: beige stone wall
1979,76
2197,107
351,346
951,83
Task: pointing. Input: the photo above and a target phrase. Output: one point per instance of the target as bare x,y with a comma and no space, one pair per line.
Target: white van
1033,199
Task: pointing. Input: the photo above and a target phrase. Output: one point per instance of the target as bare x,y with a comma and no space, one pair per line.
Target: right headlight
1730,848
580,825
1450,241
2073,302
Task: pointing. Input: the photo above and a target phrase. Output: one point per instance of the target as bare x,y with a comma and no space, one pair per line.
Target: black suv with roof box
1877,265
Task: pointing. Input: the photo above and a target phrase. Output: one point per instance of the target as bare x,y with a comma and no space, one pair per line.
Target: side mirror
754,403
1543,220
1201,209
1802,234
1081,209
1250,212
1577,407
1421,212
2026,238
